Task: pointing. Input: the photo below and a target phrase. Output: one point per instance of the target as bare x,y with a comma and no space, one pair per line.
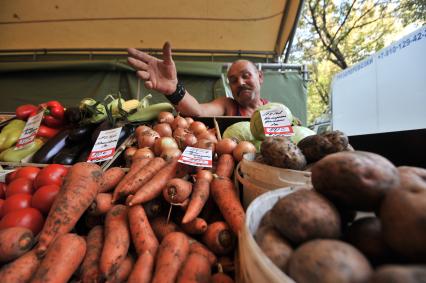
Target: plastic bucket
254,265
258,178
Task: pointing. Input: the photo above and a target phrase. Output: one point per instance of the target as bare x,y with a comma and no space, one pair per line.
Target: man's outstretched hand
159,75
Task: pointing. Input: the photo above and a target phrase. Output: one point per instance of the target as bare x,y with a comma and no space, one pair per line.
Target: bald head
243,63
245,81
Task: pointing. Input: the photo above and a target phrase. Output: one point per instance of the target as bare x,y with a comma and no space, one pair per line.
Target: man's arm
161,75
189,106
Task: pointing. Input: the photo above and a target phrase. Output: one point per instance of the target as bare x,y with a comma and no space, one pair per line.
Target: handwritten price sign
276,123
105,144
30,130
196,157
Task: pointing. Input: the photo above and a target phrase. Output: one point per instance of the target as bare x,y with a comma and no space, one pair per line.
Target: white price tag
276,123
30,131
196,157
105,144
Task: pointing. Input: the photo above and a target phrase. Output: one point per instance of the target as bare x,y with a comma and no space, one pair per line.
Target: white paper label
30,131
276,123
196,157
105,144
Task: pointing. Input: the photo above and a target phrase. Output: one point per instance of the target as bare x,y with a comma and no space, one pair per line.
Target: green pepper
16,155
10,133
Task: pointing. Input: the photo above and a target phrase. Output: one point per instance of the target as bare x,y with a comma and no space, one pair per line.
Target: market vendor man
244,79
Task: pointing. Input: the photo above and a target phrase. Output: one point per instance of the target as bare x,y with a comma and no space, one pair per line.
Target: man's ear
260,76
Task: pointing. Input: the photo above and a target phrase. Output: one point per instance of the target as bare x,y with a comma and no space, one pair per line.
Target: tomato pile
28,194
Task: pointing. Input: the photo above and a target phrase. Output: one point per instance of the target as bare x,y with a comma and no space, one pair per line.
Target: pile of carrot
148,224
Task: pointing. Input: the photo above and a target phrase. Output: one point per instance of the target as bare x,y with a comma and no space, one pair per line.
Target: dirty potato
273,245
403,216
355,179
317,146
328,261
366,234
399,274
282,152
305,215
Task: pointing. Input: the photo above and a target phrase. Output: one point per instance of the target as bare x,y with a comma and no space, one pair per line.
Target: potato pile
282,152
313,235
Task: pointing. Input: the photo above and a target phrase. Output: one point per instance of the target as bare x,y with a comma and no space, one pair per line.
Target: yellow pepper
16,155
10,133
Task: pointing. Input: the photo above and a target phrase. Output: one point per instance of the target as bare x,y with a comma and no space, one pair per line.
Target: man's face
245,81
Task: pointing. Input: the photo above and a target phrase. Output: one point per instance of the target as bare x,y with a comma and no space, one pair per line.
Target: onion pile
171,135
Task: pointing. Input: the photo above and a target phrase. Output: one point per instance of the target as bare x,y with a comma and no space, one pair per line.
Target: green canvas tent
69,50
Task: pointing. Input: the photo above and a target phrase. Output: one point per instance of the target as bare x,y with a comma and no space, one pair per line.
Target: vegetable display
128,208
162,220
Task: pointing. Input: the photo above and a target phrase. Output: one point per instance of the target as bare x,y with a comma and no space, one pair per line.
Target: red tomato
1,205
44,197
2,190
10,177
19,186
52,174
16,202
29,172
28,217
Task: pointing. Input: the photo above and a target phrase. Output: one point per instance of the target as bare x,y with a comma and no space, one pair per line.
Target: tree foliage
412,11
333,35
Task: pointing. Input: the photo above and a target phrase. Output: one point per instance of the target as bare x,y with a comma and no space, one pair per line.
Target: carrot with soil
199,197
123,271
196,269
143,269
111,178
155,207
21,269
101,205
138,163
177,190
221,277
143,236
153,187
225,196
131,184
162,228
62,259
195,227
90,266
171,256
14,242
219,238
225,165
199,248
116,240
78,191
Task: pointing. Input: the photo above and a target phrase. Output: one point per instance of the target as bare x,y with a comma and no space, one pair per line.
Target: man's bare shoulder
225,101
228,104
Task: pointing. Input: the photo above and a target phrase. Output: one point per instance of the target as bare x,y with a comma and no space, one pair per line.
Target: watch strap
179,93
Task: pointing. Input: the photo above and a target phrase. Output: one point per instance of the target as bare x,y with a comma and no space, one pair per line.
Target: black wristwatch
179,93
